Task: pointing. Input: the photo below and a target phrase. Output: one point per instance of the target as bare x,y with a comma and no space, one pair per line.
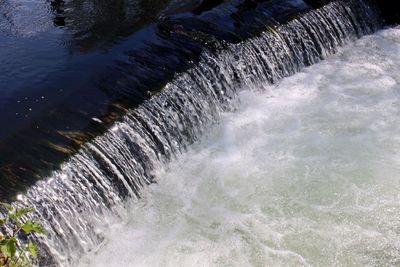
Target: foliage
14,253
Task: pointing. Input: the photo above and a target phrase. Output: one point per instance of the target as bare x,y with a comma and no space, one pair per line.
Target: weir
115,166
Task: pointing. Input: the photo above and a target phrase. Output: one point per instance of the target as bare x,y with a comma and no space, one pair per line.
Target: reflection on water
94,22
51,50
90,23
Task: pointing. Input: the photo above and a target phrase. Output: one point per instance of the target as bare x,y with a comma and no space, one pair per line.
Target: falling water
304,173
94,184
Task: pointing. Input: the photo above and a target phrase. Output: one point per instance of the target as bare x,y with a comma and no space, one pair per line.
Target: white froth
304,174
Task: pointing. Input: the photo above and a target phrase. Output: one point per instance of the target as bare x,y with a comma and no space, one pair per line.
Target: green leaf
3,221
23,211
33,249
32,227
7,206
19,212
9,247
13,217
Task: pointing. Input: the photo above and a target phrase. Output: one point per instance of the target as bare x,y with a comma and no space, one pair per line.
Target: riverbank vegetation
17,248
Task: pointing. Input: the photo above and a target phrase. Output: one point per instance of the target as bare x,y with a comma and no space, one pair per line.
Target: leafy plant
14,253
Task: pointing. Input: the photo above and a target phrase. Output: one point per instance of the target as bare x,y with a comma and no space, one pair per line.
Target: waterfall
115,166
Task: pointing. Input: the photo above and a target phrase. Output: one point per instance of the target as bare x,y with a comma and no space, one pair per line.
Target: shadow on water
72,68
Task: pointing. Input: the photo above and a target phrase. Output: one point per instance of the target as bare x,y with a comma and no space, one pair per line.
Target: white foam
306,174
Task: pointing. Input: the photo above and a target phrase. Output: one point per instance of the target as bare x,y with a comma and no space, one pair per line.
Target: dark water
53,56
53,52
71,68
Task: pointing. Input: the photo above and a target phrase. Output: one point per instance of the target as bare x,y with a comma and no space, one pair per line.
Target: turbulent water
305,173
275,148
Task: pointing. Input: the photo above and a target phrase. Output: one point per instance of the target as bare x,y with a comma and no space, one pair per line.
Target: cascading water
95,183
305,173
